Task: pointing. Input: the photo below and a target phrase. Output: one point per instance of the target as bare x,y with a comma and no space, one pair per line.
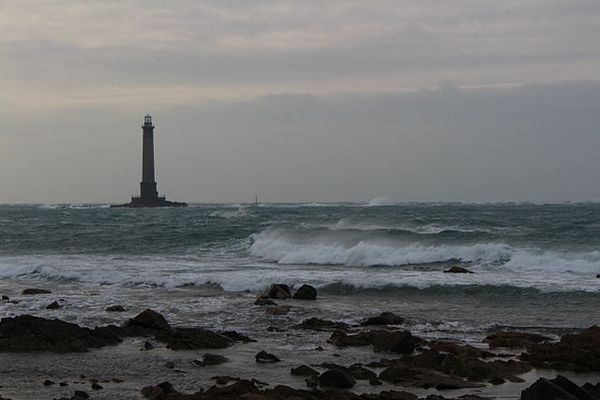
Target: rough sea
534,267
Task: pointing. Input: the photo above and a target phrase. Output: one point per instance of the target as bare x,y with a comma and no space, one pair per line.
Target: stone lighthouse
148,193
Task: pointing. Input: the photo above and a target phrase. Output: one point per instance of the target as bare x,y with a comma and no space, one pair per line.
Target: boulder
341,339
303,370
317,324
385,318
236,336
35,291
264,357
514,339
336,378
305,292
26,333
147,322
277,291
115,308
5,298
458,270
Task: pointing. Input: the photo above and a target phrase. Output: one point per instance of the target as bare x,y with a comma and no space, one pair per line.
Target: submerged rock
305,292
458,270
26,333
195,338
35,291
211,359
385,318
115,308
278,310
53,306
263,301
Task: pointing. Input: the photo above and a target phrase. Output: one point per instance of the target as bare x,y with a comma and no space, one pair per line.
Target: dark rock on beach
560,388
458,270
383,341
148,322
317,324
195,338
514,339
577,352
26,333
305,292
336,378
5,298
264,357
303,370
385,318
35,291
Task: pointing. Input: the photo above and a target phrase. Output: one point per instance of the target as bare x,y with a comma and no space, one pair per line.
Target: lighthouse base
139,202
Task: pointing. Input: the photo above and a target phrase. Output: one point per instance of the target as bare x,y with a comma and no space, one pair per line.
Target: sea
534,266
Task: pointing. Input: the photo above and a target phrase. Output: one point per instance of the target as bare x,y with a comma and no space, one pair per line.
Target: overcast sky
421,100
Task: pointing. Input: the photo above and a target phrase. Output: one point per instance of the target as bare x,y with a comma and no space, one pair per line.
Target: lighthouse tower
148,193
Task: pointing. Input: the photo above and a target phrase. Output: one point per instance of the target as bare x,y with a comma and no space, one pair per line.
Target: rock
458,270
312,381
546,389
195,338
262,301
26,333
514,339
47,382
237,337
117,380
35,291
96,386
336,378
277,291
264,357
275,329
341,339
317,324
115,308
385,318
402,342
170,364
148,345
577,352
597,275
303,370
211,359
79,395
277,310
63,384
147,322
497,381
305,292
5,298
53,306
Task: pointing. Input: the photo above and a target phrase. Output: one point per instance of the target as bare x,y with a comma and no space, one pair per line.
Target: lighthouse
148,193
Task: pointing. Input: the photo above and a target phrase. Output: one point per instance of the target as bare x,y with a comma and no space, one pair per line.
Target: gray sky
421,100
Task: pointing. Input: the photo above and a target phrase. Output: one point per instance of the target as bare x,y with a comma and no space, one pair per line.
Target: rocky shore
402,365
